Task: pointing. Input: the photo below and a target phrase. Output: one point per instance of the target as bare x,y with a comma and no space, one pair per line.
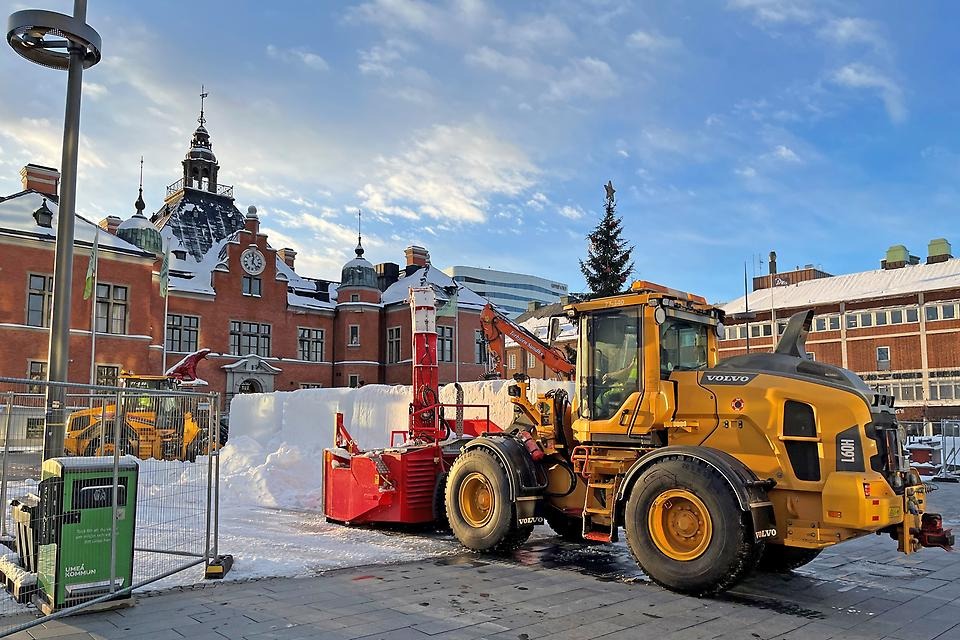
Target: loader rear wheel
478,503
778,558
686,530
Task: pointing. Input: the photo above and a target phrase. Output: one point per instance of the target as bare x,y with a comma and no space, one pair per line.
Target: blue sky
485,131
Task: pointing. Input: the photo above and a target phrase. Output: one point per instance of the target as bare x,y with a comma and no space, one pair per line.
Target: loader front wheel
479,508
686,530
778,558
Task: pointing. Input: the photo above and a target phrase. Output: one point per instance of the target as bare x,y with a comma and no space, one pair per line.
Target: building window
310,343
182,333
353,336
767,330
948,312
37,370
945,389
755,331
866,319
531,361
820,324
39,300
880,318
354,297
108,375
932,313
445,344
811,355
513,361
393,345
251,286
479,348
834,323
896,316
311,385
851,321
354,380
913,315
248,338
883,358
111,308
781,327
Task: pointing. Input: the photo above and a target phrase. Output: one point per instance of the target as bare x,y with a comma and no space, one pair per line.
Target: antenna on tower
203,96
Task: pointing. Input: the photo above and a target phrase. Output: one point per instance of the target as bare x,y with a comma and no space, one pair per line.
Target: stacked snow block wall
275,452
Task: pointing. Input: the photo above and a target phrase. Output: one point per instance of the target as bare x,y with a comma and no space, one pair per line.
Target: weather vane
203,95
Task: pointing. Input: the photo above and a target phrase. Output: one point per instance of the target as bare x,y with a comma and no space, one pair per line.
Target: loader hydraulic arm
497,327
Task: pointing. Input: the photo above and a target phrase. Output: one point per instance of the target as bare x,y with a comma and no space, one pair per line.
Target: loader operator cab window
613,366
683,346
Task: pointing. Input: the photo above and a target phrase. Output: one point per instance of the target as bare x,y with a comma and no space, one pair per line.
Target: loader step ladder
599,517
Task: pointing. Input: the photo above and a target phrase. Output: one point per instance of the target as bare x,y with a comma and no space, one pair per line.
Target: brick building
126,310
268,326
897,327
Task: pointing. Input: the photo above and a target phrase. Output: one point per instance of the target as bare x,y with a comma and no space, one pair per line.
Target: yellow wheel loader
156,423
710,468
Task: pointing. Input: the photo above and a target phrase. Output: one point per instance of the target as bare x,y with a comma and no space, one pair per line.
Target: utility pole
68,43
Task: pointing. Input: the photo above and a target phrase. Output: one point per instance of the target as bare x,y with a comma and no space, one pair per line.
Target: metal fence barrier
133,501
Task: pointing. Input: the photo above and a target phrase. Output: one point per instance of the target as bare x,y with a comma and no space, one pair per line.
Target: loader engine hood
789,360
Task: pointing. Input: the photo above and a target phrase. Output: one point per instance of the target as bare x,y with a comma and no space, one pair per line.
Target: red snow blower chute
404,483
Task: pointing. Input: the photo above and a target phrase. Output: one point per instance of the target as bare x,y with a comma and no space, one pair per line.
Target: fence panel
131,503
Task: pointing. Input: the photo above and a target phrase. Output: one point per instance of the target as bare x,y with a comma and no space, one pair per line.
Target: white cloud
861,76
381,60
651,42
584,78
785,153
746,172
449,173
298,55
498,62
538,201
94,90
776,12
847,31
572,212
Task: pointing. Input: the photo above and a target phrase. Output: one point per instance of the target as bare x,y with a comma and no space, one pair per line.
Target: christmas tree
608,263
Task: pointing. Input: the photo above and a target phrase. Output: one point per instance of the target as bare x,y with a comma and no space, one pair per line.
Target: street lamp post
68,43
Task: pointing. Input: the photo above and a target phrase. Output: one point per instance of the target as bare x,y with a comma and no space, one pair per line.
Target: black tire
496,531
730,551
568,528
778,558
439,506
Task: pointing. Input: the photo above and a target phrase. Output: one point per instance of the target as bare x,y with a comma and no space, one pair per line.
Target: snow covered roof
865,285
541,326
16,217
399,290
199,219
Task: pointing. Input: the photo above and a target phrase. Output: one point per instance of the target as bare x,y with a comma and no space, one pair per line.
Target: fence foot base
218,567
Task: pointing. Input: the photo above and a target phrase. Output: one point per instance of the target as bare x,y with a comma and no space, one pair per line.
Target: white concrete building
512,292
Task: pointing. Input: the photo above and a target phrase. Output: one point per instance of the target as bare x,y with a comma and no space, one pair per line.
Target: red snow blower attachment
404,483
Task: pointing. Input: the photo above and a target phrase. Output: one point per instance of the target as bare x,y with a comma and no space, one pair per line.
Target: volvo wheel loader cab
710,468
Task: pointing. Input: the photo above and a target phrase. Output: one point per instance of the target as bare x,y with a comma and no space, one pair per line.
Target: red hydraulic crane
497,327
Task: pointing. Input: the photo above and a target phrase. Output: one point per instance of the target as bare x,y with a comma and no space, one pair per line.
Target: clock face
253,261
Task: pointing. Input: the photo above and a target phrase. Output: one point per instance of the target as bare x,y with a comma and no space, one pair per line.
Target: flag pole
165,292
95,265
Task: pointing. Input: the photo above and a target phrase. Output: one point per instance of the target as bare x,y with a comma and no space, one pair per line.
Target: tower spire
359,249
140,204
203,95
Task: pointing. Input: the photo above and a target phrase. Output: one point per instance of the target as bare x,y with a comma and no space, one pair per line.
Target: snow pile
275,451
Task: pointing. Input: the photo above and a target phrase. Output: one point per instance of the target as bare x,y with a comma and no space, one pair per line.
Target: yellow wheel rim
476,500
680,525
